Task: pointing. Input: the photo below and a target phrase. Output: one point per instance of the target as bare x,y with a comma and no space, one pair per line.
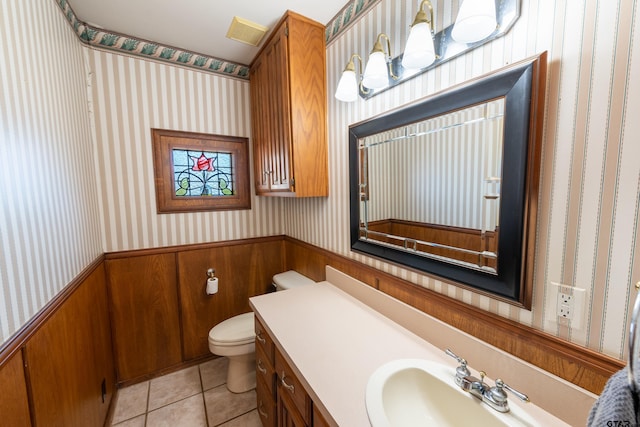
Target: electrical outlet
565,307
569,304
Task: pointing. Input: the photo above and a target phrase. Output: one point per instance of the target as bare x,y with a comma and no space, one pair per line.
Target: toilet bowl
234,338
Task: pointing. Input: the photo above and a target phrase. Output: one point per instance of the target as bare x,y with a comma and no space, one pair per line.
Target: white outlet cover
579,298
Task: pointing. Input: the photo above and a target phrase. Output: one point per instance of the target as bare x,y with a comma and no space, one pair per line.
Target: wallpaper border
104,39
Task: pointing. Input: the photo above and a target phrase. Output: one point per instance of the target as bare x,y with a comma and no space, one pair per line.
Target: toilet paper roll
212,286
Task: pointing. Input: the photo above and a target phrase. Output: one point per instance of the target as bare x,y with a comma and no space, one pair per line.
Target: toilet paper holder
211,287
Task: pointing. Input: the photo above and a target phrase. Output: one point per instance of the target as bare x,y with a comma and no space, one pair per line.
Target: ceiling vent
246,31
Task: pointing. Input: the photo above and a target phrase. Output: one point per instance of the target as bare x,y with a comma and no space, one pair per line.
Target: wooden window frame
165,141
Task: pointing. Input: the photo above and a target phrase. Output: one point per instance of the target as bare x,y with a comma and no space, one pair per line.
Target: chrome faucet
495,396
461,371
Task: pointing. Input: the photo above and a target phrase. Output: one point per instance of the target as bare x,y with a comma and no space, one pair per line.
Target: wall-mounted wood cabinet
289,111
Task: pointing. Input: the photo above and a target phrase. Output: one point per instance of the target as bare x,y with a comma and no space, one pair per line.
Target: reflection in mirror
439,195
448,185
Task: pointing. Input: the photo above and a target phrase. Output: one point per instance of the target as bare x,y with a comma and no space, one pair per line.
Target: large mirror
448,185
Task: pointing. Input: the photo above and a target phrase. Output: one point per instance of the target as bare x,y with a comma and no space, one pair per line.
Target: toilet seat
235,331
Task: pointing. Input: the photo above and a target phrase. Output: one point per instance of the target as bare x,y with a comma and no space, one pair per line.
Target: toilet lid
236,330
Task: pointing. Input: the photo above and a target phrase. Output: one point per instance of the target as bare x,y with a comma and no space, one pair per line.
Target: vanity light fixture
348,86
476,21
376,75
420,50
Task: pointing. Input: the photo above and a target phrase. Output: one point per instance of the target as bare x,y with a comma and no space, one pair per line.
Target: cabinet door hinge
293,182
286,30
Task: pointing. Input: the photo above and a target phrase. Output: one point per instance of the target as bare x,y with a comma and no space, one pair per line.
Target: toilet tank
290,279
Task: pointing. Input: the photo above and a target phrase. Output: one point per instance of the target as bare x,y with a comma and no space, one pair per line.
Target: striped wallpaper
130,96
425,180
588,217
49,220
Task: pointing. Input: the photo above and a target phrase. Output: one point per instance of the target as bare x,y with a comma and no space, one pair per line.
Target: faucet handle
462,370
455,356
499,394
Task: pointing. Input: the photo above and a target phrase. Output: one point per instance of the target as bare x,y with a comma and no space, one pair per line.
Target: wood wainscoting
161,315
62,369
578,365
14,400
58,368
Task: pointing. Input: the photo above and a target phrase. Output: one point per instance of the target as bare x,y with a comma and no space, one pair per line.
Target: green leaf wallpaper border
346,16
104,39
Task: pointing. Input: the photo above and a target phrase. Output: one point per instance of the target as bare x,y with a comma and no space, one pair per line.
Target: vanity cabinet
289,111
265,377
282,400
294,404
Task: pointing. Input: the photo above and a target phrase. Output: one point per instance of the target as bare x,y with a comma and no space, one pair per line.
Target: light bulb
347,90
375,73
476,21
420,51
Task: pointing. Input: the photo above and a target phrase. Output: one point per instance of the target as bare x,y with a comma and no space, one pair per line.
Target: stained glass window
203,173
200,172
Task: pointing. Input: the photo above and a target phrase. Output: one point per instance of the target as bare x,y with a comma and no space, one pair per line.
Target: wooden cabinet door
266,405
276,56
260,125
271,116
288,414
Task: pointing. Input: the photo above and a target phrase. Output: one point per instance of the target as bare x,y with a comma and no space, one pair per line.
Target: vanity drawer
289,385
264,341
265,370
266,404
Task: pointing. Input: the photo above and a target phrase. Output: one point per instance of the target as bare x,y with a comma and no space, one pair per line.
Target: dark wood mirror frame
522,85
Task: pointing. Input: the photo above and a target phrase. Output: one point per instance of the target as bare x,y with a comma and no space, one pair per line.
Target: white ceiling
199,26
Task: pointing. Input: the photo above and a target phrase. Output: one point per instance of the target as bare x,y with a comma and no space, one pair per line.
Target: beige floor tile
214,372
251,419
185,413
134,422
174,387
131,402
222,405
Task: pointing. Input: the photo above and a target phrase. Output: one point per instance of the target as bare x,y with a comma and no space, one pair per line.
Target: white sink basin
416,392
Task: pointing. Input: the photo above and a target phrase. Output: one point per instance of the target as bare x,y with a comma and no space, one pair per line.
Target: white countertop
334,343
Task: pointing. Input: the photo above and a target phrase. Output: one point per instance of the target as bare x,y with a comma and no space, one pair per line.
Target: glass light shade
419,51
476,21
347,90
376,75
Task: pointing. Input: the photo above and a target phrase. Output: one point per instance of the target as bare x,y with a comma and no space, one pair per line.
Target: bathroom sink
416,392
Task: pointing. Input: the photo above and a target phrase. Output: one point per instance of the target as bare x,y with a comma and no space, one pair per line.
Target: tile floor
193,397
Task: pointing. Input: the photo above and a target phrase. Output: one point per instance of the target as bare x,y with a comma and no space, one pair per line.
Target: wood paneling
70,357
14,403
144,311
581,366
243,271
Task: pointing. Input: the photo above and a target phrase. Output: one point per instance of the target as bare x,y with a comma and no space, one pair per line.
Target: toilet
234,338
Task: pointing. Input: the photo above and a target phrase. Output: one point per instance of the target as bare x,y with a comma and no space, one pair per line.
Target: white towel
617,404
